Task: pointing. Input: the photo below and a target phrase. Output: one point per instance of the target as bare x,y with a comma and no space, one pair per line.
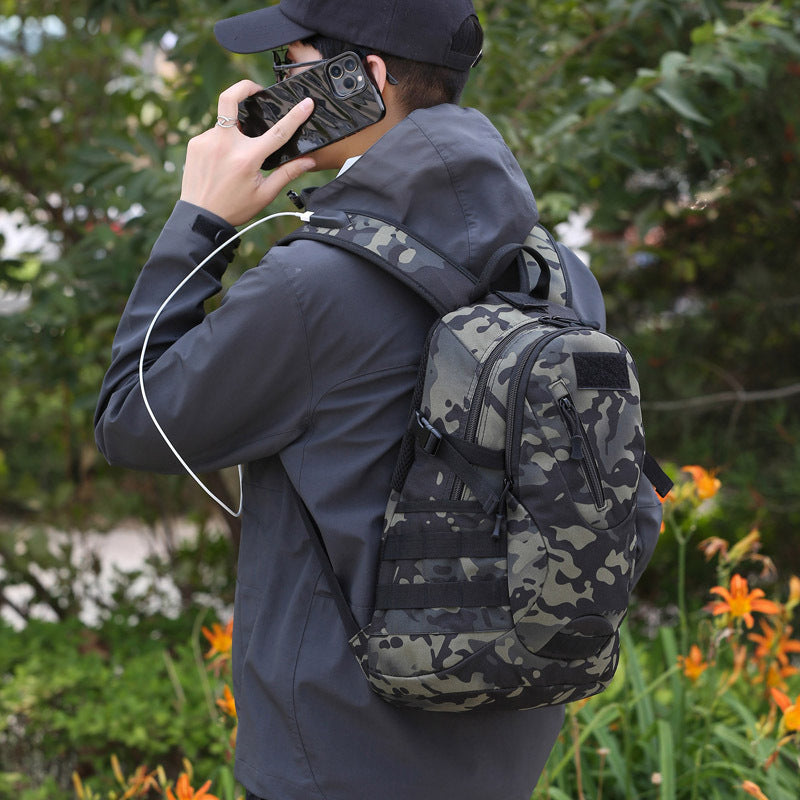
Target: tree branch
721,398
528,99
5,600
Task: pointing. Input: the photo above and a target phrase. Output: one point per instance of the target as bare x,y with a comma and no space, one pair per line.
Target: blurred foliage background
668,129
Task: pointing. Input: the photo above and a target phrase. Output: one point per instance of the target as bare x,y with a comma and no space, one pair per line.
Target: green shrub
709,708
72,697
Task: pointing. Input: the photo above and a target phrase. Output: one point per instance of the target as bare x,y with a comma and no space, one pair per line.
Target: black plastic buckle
429,438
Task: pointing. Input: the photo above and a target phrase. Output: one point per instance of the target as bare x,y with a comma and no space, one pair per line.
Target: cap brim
256,31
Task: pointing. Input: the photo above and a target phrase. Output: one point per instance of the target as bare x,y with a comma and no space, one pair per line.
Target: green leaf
786,40
729,735
671,64
600,718
703,34
669,647
721,73
616,756
556,794
27,271
673,98
643,702
666,761
561,124
749,720
753,73
631,99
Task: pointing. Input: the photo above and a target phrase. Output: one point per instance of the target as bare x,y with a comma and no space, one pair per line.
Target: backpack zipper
580,445
480,392
513,419
581,449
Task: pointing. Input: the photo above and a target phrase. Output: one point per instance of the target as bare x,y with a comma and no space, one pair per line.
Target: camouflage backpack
509,539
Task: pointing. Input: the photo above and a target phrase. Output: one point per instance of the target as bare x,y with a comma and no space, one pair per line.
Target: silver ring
226,122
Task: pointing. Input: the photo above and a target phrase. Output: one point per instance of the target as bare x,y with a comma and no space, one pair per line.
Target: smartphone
345,101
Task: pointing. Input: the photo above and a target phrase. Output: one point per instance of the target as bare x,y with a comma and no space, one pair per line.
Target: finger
286,126
279,178
291,170
228,103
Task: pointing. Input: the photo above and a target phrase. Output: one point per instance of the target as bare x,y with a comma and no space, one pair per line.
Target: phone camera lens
350,65
349,83
336,71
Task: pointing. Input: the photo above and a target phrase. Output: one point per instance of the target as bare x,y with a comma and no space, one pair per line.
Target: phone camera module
346,76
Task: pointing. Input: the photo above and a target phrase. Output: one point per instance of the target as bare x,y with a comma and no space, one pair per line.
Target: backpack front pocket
587,438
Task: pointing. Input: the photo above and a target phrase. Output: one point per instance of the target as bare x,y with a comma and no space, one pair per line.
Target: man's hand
222,172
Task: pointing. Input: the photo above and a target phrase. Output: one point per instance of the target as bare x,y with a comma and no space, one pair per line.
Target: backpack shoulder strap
349,621
414,262
443,284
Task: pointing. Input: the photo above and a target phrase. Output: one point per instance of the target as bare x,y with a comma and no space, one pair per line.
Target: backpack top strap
540,240
418,264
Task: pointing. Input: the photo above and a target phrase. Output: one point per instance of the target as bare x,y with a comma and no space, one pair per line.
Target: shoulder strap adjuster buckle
428,437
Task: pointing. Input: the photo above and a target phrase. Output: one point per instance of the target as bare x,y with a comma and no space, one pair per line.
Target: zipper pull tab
500,515
498,524
573,424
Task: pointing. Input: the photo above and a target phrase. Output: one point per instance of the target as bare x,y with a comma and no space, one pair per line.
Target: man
305,374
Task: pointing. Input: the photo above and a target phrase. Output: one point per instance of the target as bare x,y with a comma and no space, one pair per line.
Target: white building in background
20,239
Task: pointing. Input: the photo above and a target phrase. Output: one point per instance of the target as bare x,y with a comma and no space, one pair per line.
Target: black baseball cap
420,30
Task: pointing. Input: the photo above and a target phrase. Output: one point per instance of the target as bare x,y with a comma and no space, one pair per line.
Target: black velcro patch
601,371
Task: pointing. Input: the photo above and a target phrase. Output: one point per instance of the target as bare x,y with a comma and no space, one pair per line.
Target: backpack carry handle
501,260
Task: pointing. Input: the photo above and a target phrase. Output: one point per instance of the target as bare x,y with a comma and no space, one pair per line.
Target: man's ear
377,68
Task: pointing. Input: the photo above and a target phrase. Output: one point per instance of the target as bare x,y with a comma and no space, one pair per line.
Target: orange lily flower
754,790
713,545
227,703
740,657
775,676
706,483
693,664
220,639
772,643
185,791
791,710
794,593
739,602
140,783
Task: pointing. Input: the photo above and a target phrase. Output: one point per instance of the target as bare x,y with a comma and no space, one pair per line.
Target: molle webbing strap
450,594
445,447
446,544
430,439
420,266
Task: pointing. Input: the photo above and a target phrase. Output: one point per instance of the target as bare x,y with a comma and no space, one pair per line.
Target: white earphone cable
304,216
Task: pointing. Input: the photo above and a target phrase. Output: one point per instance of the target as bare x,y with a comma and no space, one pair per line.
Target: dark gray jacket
304,374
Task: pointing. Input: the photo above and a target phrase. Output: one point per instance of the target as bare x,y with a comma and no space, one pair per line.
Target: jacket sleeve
228,387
